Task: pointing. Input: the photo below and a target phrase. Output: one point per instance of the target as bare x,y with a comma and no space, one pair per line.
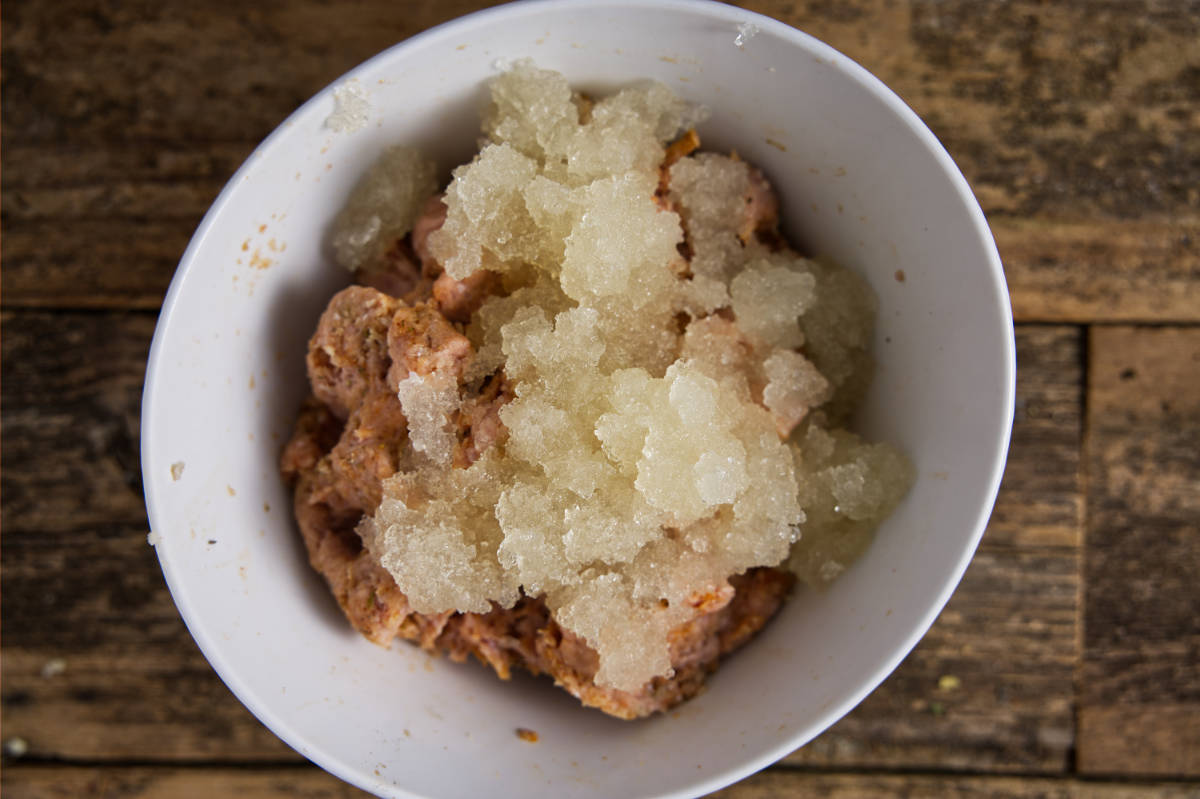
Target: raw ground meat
352,435
337,468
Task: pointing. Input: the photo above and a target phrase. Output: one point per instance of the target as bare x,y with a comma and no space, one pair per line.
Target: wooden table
1068,662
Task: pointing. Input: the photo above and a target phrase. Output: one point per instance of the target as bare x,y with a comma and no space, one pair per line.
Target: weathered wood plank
71,391
94,70
778,782
1041,497
98,665
32,782
111,264
1064,270
92,263
990,686
132,684
58,170
1072,121
39,782
104,228
1140,685
1143,739
74,528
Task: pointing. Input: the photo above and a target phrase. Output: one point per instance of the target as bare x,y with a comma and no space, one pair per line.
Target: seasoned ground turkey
351,435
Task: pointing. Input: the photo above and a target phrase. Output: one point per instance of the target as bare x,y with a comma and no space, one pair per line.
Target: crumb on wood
53,667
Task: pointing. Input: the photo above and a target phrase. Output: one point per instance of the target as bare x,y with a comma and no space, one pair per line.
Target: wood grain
1072,122
1041,497
71,393
97,664
75,546
133,686
1009,636
141,70
1102,270
1140,698
1140,739
80,585
1064,666
302,782
989,687
780,782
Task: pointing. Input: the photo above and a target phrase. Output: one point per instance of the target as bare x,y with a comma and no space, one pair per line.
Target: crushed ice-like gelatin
677,378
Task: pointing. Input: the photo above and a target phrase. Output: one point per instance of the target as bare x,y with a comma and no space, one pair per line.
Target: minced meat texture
352,435
337,469
584,413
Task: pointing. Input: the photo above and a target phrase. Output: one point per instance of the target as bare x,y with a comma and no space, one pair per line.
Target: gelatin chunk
676,379
382,207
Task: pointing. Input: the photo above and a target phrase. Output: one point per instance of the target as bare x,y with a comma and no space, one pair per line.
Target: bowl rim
712,9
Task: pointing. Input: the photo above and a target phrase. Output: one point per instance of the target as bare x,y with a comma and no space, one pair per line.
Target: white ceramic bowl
861,179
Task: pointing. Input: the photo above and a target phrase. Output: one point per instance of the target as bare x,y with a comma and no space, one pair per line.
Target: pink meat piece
348,355
458,300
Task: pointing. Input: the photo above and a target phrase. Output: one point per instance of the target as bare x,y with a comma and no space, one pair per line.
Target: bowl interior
861,181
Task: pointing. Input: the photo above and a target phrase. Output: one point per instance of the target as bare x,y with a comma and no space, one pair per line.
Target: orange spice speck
529,736
258,261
